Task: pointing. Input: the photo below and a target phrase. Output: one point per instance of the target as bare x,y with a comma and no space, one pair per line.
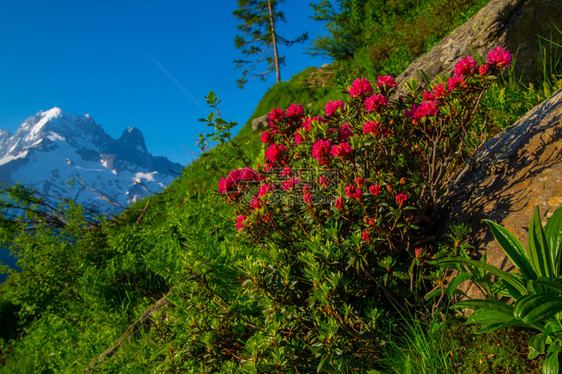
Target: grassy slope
187,222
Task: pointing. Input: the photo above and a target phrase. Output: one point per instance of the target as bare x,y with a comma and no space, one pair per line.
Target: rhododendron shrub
341,204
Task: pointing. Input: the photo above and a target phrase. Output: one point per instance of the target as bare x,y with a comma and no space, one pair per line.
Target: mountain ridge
66,155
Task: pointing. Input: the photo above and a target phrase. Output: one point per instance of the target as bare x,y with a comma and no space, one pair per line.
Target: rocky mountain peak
54,147
132,138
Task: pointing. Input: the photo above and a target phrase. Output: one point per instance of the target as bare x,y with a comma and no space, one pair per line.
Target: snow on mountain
70,156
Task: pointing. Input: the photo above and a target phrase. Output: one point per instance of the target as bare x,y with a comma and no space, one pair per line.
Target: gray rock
260,123
515,171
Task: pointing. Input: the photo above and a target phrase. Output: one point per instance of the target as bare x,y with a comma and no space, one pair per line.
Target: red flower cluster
231,182
360,87
353,192
275,116
401,199
499,57
344,132
375,189
332,106
376,103
366,236
375,127
466,66
240,222
321,150
295,111
267,137
290,184
342,150
275,152
386,81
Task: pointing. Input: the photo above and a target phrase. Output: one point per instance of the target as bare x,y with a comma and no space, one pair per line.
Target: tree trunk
274,41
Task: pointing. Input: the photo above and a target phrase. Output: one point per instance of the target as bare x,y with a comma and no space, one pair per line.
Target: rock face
512,24
260,123
515,171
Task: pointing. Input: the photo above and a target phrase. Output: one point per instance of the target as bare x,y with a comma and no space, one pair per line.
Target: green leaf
551,365
553,234
536,345
538,248
515,280
485,304
456,282
556,285
489,316
535,308
513,248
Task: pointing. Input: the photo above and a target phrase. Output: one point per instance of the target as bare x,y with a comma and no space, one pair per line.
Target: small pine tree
259,39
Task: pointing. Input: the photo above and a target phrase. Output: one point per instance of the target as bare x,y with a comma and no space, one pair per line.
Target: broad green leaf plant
534,296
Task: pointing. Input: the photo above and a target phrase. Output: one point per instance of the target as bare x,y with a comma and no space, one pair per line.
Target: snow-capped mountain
69,156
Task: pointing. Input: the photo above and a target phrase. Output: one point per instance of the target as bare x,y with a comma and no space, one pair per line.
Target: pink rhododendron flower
359,181
230,183
321,150
286,171
371,127
426,108
265,188
290,184
223,186
332,106
298,137
376,103
439,91
353,192
307,124
366,236
240,222
295,110
344,132
256,203
267,137
483,70
307,198
428,96
386,80
248,174
454,82
323,181
401,199
274,152
275,116
499,57
338,203
371,222
375,189
360,87
342,150
267,165
466,66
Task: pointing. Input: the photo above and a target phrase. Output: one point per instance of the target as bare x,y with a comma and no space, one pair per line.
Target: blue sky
102,58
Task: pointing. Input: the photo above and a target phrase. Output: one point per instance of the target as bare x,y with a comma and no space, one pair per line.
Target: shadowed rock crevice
515,171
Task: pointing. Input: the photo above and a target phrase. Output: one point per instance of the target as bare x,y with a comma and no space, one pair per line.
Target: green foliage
377,37
241,305
535,291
